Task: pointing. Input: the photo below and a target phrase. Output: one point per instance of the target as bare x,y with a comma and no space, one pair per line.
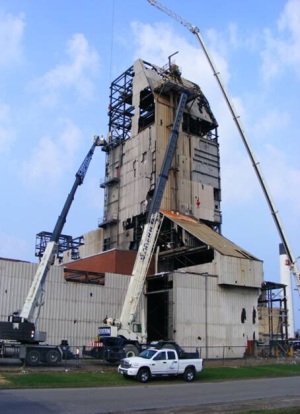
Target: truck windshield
148,353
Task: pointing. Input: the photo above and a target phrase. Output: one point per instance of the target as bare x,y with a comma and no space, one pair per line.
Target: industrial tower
142,104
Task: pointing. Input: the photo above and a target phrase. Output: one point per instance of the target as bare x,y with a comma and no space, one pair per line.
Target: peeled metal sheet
207,235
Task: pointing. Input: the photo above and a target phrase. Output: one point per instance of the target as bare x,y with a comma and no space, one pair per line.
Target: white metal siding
71,311
209,316
239,271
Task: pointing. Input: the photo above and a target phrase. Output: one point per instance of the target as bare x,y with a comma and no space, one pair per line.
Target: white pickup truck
160,362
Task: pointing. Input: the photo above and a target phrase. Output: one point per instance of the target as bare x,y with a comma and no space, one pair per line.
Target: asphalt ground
11,365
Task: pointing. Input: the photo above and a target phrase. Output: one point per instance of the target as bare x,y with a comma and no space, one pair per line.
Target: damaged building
201,289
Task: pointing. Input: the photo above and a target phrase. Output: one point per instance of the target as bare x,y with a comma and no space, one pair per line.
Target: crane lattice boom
195,30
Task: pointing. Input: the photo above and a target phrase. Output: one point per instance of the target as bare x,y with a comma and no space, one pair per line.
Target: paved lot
200,397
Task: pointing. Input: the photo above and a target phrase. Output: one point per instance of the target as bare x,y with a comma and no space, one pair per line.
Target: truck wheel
189,374
52,357
33,357
144,375
130,351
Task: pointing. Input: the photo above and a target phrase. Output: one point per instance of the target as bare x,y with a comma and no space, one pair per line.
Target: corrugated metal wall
205,313
239,272
71,311
210,316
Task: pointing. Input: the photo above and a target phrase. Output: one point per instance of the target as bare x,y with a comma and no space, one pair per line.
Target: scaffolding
273,313
121,109
65,242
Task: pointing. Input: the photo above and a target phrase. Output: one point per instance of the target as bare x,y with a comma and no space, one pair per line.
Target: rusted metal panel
208,236
113,261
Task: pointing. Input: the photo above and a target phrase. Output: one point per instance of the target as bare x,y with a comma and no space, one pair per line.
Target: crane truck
19,335
124,337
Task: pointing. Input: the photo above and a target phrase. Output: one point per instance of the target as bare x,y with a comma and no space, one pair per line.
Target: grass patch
62,379
244,372
81,379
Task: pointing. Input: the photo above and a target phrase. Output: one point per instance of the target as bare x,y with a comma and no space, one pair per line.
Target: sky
56,64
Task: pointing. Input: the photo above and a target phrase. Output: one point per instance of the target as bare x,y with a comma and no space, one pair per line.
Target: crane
275,214
32,305
21,326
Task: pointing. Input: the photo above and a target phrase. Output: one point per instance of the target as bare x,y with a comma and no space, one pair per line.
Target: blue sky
56,64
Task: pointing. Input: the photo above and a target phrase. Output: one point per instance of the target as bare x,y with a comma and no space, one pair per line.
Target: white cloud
282,49
155,43
51,158
11,34
7,132
74,75
284,179
270,123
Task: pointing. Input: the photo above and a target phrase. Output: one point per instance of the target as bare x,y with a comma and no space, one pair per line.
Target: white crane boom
195,30
34,300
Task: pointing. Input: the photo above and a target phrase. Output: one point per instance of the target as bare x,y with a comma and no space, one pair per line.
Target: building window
147,107
243,315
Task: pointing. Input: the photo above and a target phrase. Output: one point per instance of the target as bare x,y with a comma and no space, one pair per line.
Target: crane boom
275,214
31,308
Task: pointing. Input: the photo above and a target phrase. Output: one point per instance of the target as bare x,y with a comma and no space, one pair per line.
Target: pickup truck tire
189,374
144,375
130,351
52,357
33,357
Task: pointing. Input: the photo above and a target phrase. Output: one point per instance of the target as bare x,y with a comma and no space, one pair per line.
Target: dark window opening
253,316
243,315
84,276
147,108
106,244
217,194
196,126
